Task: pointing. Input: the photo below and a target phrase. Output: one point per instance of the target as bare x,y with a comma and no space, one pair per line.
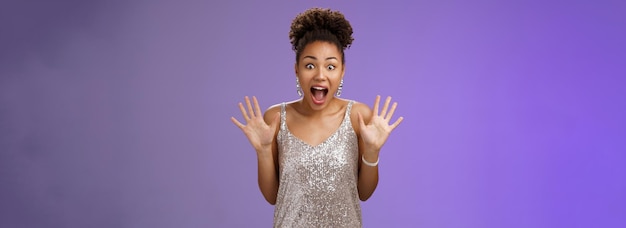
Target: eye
331,67
309,66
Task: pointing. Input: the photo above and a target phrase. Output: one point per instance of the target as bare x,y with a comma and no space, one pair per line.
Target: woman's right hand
260,134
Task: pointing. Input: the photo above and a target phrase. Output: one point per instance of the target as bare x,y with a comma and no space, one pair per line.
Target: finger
393,109
395,124
243,112
257,108
376,105
236,122
385,107
249,107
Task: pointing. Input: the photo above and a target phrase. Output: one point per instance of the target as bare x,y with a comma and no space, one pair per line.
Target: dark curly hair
317,24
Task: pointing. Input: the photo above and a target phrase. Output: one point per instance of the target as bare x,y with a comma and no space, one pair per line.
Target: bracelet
369,163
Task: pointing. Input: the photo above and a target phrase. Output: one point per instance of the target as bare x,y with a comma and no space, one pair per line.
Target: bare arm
268,162
368,175
268,173
261,131
372,136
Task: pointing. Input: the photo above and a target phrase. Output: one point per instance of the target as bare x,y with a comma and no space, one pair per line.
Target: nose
319,75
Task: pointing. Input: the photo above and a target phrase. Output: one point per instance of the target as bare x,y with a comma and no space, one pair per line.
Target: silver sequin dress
318,184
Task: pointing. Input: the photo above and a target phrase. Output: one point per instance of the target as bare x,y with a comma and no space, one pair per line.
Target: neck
304,108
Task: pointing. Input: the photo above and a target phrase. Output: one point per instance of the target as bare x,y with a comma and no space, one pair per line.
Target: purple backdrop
116,113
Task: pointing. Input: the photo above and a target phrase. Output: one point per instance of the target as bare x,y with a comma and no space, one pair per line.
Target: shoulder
360,108
271,113
366,114
273,108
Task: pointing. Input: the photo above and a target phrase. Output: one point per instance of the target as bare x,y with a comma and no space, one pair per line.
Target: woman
314,160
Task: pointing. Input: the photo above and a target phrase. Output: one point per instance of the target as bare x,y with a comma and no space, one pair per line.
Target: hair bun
321,19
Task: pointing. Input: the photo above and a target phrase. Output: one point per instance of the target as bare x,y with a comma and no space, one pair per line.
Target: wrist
370,163
371,149
264,152
370,156
263,147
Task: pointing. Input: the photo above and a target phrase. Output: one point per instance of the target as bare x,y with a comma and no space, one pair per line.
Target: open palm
376,132
259,133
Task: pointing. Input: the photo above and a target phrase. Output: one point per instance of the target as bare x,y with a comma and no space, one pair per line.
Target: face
319,71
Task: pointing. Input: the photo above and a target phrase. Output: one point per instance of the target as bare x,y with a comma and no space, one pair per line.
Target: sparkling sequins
318,184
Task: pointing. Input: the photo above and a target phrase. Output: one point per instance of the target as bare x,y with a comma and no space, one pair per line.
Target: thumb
361,122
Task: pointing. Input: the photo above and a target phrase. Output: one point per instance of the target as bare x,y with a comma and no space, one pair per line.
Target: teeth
318,88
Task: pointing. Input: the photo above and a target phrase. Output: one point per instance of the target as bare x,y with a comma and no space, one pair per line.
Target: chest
314,131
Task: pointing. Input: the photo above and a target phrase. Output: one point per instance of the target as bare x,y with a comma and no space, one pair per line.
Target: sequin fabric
318,184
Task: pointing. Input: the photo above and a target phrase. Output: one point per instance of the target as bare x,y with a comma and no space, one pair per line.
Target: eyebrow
313,57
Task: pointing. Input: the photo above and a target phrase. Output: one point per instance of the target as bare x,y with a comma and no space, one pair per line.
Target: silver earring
338,93
298,89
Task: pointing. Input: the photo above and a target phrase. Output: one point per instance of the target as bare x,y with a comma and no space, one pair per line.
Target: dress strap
283,116
347,115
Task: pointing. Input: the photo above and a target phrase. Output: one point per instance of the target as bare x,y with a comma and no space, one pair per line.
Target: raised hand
260,134
376,132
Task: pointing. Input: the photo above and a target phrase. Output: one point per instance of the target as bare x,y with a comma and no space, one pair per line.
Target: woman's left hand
376,132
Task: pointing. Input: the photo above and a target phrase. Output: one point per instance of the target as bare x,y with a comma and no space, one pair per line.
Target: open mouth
319,94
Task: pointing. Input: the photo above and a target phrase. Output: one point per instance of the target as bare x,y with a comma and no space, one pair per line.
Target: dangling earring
338,93
298,89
